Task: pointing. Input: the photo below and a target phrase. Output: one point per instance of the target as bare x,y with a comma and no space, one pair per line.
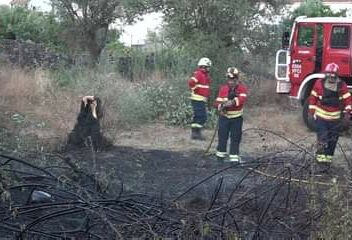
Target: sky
137,33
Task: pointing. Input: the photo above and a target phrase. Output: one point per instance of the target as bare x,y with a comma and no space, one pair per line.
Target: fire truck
312,44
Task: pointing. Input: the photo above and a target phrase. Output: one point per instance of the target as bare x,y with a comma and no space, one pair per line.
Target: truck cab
312,44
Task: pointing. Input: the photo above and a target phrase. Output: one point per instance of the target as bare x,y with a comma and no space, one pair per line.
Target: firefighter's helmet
332,68
232,72
204,62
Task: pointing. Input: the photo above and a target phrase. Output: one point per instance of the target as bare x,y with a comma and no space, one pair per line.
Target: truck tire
308,120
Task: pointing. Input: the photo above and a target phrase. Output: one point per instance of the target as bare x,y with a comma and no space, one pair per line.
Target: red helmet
332,68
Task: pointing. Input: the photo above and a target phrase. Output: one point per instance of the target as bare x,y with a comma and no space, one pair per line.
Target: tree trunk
95,42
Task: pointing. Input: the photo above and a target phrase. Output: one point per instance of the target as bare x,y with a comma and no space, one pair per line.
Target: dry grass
33,94
262,92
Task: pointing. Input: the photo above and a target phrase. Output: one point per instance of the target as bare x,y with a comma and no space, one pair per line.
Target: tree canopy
312,8
24,24
223,30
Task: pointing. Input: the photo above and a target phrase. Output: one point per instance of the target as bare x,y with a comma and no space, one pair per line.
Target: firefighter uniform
230,102
200,91
326,103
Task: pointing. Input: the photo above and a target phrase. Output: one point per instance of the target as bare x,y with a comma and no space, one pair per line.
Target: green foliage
142,64
130,103
225,31
179,112
24,24
163,101
312,8
87,21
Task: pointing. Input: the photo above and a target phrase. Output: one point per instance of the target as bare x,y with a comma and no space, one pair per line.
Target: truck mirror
285,40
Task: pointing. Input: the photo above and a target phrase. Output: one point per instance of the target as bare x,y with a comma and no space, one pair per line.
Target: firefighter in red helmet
329,99
229,102
199,84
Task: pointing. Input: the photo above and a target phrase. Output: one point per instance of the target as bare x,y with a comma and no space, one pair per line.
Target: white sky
136,33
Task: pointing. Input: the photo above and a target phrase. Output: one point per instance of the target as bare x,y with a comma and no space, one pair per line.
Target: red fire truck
311,45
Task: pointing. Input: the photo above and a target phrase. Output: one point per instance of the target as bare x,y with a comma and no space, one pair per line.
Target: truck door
303,51
339,48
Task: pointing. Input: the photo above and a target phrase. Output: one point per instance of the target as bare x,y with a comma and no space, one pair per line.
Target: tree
223,30
88,21
25,24
312,8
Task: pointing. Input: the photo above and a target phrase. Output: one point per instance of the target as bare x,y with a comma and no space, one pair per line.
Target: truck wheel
308,120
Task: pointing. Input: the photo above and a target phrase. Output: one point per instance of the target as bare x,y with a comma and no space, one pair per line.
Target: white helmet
204,62
232,72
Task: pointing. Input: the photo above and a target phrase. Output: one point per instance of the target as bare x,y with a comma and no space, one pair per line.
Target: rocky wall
30,54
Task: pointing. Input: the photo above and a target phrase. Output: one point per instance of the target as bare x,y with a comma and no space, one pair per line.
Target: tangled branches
274,196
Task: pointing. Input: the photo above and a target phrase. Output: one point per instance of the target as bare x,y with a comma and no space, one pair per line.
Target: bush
159,101
24,24
133,103
129,103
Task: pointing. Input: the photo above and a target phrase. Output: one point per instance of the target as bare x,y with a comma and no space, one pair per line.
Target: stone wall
30,54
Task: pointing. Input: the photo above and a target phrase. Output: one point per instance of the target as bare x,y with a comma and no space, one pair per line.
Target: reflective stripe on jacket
199,85
236,110
325,111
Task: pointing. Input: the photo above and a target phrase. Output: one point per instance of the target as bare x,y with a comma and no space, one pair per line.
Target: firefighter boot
201,137
322,168
234,158
220,160
323,163
195,134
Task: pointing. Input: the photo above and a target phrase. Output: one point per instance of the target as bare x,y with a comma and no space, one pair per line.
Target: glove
229,103
221,109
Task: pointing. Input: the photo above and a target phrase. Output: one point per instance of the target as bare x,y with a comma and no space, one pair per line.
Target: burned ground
125,192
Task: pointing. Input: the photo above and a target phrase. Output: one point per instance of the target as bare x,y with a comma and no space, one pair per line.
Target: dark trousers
199,114
230,127
328,135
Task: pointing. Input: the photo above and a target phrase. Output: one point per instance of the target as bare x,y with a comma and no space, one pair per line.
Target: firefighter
199,85
328,100
229,102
